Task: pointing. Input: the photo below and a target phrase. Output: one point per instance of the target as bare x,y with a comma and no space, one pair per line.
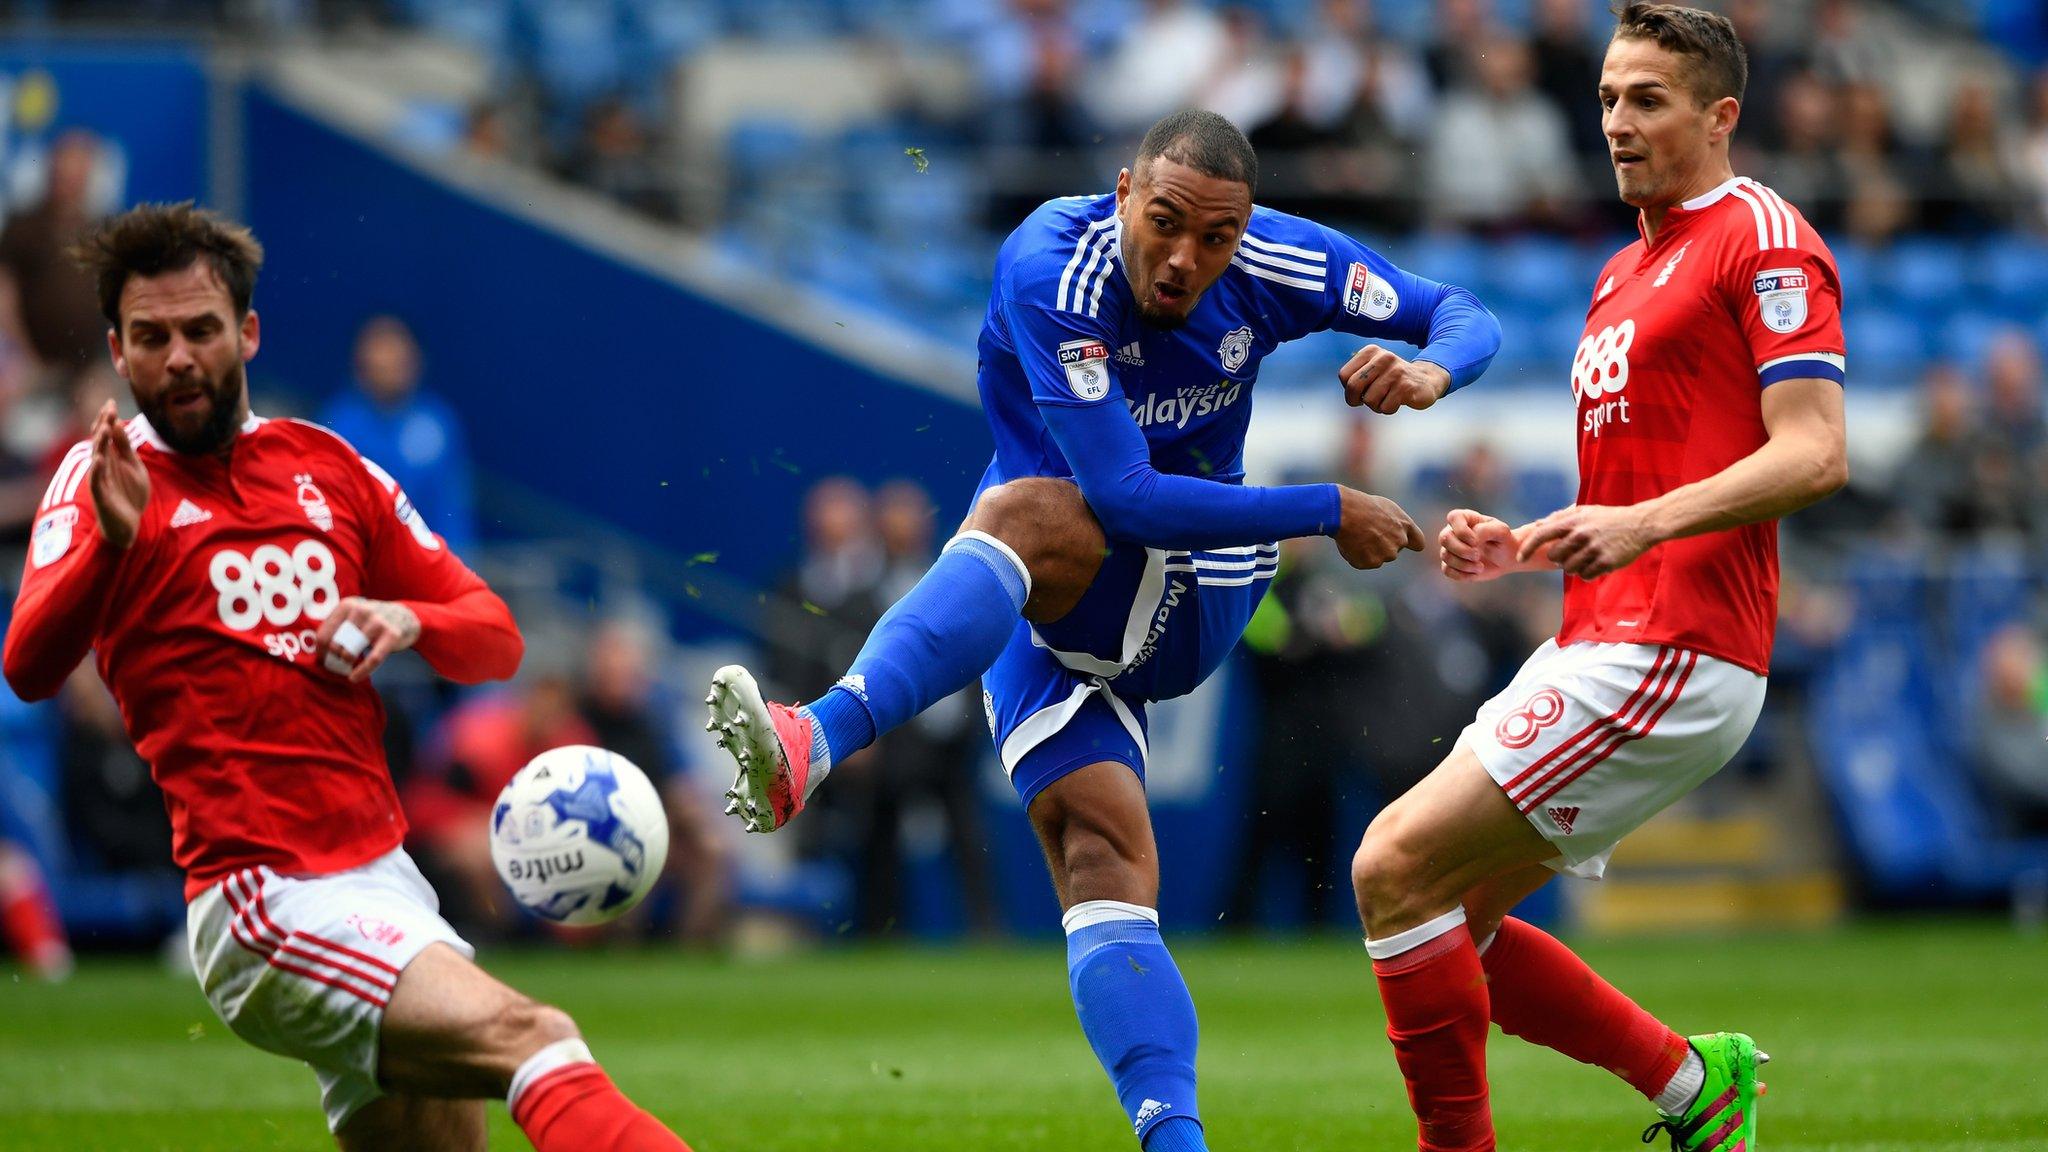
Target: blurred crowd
1466,119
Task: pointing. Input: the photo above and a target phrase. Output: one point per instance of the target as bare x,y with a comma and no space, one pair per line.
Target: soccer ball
579,835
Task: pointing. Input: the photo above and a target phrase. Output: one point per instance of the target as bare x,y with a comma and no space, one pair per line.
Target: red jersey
204,629
1736,294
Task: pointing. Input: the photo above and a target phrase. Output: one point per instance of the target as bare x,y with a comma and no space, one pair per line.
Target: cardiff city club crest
1235,349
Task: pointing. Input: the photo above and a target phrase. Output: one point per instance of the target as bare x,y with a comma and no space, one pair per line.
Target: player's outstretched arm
469,639
80,541
1474,547
1805,459
1137,502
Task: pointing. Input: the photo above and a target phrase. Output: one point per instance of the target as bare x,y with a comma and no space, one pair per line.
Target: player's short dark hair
1718,65
152,239
1204,141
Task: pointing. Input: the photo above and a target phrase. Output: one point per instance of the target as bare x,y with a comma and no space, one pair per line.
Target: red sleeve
65,587
466,632
1787,296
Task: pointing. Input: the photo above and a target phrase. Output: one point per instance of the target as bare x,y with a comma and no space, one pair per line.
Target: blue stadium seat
1452,259
575,49
1885,347
1924,273
1531,270
482,24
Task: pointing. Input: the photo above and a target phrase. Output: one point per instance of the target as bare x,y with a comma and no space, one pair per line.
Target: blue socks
1137,1015
943,633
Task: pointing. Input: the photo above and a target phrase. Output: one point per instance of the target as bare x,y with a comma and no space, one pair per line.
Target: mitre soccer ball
579,835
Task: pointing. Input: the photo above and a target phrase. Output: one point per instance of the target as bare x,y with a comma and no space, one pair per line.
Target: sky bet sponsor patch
1087,365
1781,298
1369,296
52,536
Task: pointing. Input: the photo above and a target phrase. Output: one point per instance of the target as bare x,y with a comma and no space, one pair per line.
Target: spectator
407,430
814,626
1165,57
485,132
1769,66
2033,148
1568,71
1978,184
1340,145
1249,83
1460,24
28,916
59,304
113,811
1805,169
1500,159
1028,65
1879,203
1935,484
617,703
929,763
474,753
1845,50
2011,730
1352,73
1308,645
615,155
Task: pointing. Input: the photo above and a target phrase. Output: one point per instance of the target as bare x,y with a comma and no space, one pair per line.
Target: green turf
1929,1035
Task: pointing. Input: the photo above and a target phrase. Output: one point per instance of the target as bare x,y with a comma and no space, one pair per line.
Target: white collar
1710,196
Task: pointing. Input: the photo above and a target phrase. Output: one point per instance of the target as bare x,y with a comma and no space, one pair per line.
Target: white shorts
303,965
1591,740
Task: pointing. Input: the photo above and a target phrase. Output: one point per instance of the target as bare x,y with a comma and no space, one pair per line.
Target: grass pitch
1901,1037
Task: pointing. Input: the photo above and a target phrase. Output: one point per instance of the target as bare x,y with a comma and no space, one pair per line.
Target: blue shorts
1152,626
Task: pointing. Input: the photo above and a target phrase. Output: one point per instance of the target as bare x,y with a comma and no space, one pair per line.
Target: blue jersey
1151,421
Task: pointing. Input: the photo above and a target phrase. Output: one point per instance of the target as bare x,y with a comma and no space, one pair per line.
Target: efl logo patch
1087,366
1367,295
1564,818
1781,298
52,536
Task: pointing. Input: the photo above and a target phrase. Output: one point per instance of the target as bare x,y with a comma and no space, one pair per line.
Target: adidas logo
856,684
1564,817
189,513
1128,354
1148,1110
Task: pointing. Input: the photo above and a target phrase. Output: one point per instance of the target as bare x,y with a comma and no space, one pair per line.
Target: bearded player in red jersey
1709,397
239,579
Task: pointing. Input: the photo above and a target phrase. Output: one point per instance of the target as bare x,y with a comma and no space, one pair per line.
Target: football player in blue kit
1114,552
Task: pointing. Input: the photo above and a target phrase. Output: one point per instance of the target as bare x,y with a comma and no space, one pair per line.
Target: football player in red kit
238,580
1708,387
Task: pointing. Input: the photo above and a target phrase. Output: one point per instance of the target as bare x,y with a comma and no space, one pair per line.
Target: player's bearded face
183,349
1180,228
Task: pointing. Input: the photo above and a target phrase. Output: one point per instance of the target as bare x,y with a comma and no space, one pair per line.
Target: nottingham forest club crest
1235,349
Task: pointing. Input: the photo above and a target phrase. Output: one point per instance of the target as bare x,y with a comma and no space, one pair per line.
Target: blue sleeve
1066,357
1369,296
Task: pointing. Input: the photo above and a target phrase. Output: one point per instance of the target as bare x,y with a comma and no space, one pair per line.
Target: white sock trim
998,545
1090,912
1415,937
1685,1085
552,1058
1483,945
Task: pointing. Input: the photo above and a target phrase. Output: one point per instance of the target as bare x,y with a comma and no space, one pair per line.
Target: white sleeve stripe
1108,265
1834,358
1091,271
1777,204
77,460
1081,248
1278,277
1286,249
1763,234
1283,265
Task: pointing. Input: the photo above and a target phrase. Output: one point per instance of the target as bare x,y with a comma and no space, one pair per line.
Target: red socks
565,1103
28,916
1544,994
1435,991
